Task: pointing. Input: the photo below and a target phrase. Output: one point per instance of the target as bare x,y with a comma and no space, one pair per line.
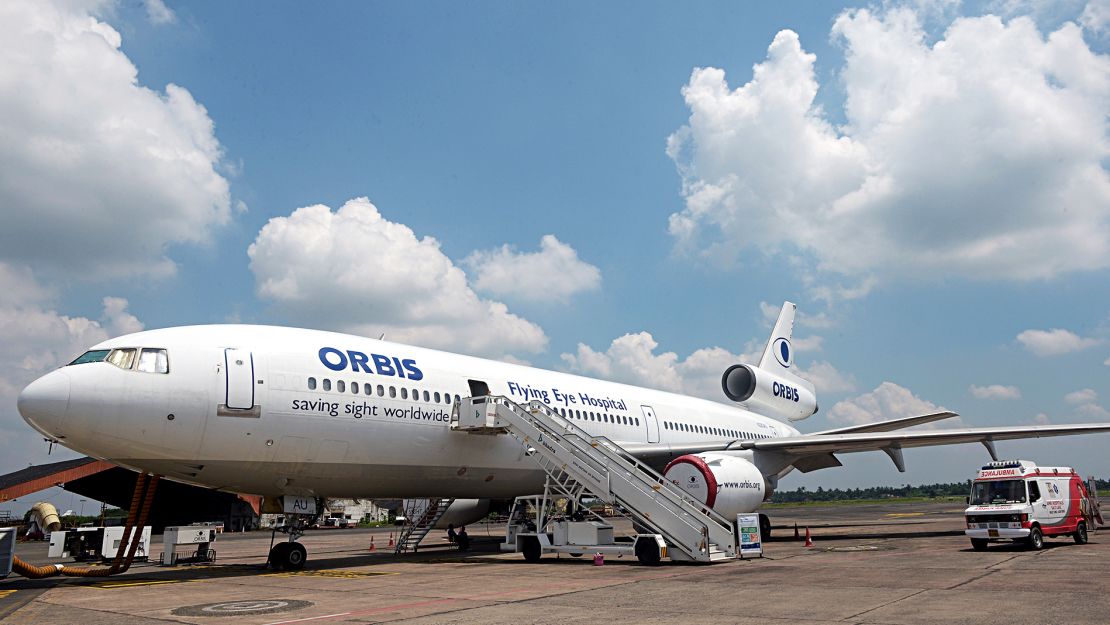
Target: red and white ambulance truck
1020,501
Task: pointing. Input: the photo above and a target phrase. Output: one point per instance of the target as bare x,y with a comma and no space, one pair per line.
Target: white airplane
289,412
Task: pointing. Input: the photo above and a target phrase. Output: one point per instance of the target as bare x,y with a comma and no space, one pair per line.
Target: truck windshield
1003,491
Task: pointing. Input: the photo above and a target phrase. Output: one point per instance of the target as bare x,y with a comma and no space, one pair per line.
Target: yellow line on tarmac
6,593
329,573
905,514
137,582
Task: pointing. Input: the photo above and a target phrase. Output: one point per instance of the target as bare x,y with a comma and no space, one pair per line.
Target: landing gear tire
1035,540
531,550
1080,535
288,557
764,527
647,552
296,557
278,555
979,544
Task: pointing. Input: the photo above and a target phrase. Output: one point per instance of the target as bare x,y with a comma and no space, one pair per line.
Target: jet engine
786,396
464,512
728,484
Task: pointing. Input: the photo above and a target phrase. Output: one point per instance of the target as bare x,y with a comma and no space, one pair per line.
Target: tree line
951,489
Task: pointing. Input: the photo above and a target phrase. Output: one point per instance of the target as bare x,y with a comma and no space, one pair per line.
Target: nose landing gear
288,555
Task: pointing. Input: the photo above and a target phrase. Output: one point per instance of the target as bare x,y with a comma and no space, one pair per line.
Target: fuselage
271,410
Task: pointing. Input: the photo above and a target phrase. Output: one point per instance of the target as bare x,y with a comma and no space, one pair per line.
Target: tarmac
905,563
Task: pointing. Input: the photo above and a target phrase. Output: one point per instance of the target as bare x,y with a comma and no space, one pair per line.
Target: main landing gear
288,555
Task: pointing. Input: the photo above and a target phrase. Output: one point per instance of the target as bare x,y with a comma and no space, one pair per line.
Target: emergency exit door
239,381
651,423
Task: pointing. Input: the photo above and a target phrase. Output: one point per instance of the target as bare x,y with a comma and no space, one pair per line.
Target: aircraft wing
809,452
893,424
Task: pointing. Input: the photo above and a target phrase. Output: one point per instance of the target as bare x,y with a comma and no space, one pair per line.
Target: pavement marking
136,582
904,514
330,573
6,593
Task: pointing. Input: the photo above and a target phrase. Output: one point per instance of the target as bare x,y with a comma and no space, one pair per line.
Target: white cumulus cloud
1084,396
554,273
158,12
954,160
1096,17
995,391
355,271
38,338
633,359
86,148
1054,342
887,401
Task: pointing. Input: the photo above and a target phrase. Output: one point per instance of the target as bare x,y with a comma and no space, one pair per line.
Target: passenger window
393,392
340,386
312,384
153,361
354,387
637,420
437,397
367,389
381,391
428,397
122,358
404,393
327,384
1034,492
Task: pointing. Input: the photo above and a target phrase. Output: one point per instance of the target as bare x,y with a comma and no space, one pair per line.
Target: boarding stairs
579,464
421,515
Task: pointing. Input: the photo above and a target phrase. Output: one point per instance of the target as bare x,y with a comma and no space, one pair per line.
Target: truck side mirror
967,500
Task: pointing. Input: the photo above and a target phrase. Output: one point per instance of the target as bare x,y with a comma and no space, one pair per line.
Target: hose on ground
144,492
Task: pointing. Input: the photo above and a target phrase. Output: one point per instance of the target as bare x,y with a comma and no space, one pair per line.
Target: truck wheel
531,549
1080,535
1036,539
979,544
647,552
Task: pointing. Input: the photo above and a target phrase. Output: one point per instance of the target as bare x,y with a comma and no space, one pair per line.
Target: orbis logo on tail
339,360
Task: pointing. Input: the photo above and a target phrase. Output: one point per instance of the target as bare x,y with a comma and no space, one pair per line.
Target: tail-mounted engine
782,395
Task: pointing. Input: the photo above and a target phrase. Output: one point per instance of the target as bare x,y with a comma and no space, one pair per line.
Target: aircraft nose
44,402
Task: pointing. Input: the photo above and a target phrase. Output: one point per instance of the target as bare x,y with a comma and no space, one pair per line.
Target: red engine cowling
728,484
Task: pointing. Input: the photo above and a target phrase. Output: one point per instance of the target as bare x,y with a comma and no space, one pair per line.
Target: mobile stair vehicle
579,465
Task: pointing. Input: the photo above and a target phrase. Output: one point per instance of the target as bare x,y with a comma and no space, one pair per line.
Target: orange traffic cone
372,547
796,536
391,539
809,539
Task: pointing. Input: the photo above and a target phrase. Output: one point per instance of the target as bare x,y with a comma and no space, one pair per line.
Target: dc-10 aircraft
286,412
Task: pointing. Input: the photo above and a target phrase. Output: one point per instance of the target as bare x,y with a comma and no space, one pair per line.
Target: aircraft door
651,423
478,388
239,381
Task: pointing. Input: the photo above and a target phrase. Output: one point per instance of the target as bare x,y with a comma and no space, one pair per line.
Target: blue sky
926,181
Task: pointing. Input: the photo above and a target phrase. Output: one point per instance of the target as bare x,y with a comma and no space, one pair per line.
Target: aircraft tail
778,356
772,387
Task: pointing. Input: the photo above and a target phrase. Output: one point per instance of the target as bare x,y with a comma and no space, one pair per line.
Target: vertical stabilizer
778,357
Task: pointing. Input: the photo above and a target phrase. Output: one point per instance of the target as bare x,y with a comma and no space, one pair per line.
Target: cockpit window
122,358
95,355
154,361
